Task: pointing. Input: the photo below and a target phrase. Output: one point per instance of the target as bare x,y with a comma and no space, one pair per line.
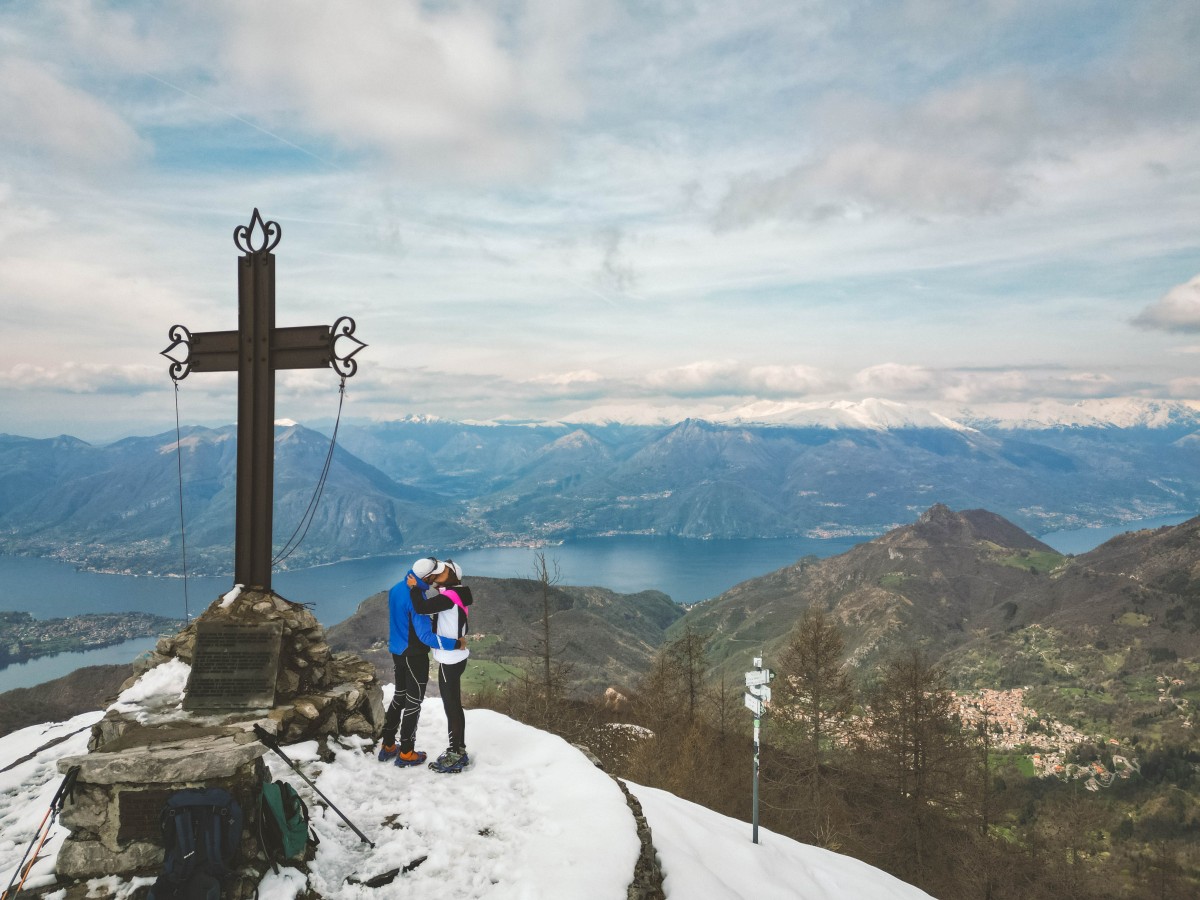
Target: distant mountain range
769,471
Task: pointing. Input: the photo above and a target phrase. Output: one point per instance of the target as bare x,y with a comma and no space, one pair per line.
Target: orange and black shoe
387,752
410,758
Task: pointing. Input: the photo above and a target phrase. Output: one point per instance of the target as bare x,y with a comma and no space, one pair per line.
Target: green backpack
283,830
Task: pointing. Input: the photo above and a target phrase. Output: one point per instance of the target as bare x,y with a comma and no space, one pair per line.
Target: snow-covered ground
531,818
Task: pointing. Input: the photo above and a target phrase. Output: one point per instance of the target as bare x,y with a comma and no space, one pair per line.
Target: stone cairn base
138,757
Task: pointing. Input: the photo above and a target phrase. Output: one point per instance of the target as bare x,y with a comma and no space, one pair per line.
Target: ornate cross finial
244,235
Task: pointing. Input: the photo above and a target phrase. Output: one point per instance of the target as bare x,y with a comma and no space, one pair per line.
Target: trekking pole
56,804
269,741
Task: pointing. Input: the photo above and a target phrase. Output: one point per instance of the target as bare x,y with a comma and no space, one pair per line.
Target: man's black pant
404,712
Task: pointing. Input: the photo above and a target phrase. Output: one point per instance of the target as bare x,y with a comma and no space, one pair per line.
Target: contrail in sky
238,118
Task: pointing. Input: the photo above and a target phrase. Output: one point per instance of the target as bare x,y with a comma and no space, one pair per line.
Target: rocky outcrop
317,692
647,881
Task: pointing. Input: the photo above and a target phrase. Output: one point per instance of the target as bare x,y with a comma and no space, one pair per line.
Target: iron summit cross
255,351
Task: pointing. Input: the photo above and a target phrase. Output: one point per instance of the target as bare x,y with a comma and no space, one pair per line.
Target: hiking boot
410,758
451,762
388,751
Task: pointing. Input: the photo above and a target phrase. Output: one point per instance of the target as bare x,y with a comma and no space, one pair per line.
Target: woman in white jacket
451,621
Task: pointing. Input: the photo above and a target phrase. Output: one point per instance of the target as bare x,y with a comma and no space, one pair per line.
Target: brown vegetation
889,773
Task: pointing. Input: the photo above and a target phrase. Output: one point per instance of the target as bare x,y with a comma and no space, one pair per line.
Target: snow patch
159,690
531,817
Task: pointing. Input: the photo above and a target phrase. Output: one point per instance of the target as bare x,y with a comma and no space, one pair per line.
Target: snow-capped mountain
878,414
641,414
872,414
1112,412
531,817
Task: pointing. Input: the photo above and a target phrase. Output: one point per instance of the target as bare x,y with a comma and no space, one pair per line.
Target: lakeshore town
1012,725
22,637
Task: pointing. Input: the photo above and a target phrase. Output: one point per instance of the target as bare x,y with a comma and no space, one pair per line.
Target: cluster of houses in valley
1009,721
1169,690
22,637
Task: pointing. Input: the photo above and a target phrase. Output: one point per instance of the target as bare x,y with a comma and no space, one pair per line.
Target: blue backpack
202,830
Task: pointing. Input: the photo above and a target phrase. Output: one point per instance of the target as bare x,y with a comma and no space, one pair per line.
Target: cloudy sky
533,209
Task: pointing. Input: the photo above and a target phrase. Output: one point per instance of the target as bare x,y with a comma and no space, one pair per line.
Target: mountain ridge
419,485
998,608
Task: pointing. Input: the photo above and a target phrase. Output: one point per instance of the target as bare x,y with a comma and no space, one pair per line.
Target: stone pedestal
113,814
143,751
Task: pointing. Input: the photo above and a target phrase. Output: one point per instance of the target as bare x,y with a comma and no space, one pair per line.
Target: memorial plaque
140,815
234,666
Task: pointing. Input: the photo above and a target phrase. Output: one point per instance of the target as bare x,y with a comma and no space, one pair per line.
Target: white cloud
451,87
1178,310
566,379
933,109
916,168
1184,388
82,378
43,115
962,385
888,379
714,378
123,38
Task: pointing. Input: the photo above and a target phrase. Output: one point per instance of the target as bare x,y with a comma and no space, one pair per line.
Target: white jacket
447,626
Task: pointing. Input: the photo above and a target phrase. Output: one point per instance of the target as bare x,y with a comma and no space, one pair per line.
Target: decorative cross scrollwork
344,365
180,337
244,235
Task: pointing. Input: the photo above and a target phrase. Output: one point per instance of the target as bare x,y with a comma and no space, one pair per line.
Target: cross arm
303,347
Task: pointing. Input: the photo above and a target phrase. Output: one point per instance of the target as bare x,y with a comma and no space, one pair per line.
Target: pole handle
267,738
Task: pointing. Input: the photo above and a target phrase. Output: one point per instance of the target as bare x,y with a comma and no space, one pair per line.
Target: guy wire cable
187,616
306,519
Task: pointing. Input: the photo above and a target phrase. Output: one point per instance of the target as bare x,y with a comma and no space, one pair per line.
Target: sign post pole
758,687
754,835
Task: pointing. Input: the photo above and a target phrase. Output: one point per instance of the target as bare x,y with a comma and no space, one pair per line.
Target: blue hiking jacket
405,624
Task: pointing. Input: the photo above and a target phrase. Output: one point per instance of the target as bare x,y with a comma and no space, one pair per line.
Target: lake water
688,571
47,668
1081,540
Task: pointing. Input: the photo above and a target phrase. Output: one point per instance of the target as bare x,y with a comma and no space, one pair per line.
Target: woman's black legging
450,687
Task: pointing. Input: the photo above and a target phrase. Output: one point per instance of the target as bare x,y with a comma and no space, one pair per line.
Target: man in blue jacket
410,637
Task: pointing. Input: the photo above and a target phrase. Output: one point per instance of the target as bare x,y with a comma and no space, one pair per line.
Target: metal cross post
255,351
758,687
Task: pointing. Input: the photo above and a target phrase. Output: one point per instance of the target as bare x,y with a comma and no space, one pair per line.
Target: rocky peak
940,525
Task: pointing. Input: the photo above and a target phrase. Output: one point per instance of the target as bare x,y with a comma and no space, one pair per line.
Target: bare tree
814,700
688,650
915,745
539,692
546,574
